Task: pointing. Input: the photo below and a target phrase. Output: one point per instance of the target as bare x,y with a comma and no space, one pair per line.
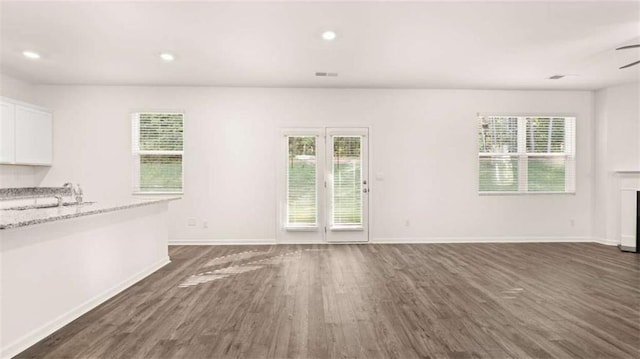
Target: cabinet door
7,133
33,136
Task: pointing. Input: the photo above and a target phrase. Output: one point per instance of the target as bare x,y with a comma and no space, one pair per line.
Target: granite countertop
21,218
34,192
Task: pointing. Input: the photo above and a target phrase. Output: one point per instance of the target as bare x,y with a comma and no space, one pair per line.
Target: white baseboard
220,242
40,333
606,241
528,239
400,240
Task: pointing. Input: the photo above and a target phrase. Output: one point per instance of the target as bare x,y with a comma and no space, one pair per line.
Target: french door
325,185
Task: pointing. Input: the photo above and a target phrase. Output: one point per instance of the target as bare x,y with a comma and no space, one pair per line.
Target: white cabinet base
54,272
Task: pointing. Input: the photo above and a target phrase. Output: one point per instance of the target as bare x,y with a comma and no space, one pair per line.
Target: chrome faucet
69,185
78,194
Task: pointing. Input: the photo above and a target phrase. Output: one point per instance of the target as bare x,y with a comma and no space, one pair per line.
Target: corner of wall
600,179
17,89
617,147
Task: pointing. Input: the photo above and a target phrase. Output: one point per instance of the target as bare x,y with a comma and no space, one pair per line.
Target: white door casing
347,185
334,208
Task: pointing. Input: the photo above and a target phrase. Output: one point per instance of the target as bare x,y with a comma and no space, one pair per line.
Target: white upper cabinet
26,134
33,136
7,132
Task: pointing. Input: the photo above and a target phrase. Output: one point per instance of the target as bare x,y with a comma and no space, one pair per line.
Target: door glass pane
347,181
301,182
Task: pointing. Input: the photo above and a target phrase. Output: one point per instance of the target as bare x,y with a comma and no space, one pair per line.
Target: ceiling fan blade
628,47
631,64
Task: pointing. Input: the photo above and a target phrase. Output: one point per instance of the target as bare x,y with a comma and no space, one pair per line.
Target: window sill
347,228
157,193
496,193
301,228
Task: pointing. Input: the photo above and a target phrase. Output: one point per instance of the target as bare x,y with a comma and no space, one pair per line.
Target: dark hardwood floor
369,301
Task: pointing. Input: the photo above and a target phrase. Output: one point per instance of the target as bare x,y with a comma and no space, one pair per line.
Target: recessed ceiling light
329,35
31,54
165,56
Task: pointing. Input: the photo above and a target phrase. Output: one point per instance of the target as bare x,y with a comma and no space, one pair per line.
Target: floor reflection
225,272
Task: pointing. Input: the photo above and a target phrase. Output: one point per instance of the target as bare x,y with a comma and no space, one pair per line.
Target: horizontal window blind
499,174
546,135
347,181
550,154
302,186
498,135
158,143
526,154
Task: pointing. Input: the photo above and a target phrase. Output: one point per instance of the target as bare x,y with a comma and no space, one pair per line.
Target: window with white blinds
302,186
157,150
526,154
347,181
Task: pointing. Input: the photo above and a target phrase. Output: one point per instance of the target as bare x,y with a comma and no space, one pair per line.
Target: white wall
17,89
617,141
424,141
11,175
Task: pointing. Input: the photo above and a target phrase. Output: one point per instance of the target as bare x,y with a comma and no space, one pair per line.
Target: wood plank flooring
558,300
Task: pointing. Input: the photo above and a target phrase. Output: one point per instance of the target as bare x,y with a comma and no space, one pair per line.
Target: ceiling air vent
326,74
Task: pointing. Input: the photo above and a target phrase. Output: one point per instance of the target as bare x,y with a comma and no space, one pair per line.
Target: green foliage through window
498,135
545,135
301,181
160,173
526,154
158,147
302,192
161,132
347,180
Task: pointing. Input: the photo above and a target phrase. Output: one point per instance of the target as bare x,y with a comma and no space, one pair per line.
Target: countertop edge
114,208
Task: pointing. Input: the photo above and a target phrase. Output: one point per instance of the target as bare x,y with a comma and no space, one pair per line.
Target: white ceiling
497,45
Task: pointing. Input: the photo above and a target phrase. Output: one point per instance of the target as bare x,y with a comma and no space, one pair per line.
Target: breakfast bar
59,262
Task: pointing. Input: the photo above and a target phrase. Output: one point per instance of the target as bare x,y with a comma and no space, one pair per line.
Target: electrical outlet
407,223
572,222
205,224
192,222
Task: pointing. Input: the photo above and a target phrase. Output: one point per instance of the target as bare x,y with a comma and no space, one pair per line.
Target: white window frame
523,156
136,153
